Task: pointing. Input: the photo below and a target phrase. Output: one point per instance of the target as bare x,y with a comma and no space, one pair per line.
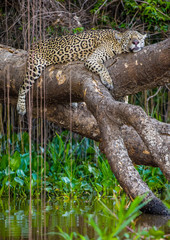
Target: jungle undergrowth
73,169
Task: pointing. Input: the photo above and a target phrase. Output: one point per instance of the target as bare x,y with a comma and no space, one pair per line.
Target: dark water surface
40,220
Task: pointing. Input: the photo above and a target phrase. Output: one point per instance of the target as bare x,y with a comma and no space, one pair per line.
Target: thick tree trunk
106,119
84,123
110,119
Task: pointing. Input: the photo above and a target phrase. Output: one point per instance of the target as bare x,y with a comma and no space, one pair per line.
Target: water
40,220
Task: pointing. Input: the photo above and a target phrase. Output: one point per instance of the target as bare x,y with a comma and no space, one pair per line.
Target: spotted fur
92,47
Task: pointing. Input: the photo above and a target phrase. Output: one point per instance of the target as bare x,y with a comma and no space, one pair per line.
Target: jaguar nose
135,41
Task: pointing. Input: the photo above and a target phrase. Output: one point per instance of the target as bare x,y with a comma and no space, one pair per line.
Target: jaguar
93,47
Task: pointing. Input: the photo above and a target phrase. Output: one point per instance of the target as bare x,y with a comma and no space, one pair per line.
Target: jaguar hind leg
21,104
33,73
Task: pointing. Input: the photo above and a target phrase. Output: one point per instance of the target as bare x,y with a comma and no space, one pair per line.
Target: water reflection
146,221
40,220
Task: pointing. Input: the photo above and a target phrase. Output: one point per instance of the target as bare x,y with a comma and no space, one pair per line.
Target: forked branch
110,116
130,73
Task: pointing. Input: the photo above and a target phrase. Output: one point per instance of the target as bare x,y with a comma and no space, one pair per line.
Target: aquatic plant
72,169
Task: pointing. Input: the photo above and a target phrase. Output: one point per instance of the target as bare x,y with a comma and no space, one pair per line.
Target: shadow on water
70,216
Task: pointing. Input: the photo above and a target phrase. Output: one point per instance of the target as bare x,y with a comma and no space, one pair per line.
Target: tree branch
109,118
83,122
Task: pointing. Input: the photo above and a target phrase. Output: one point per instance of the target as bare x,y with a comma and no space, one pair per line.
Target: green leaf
99,187
15,161
48,189
34,176
19,180
65,180
3,162
156,233
20,173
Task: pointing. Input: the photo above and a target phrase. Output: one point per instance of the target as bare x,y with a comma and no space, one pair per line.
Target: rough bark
110,115
131,73
107,119
84,123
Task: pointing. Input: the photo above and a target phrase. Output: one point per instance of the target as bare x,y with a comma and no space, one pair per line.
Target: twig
100,7
154,94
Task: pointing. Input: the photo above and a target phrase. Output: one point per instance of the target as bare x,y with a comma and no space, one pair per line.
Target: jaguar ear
118,36
145,36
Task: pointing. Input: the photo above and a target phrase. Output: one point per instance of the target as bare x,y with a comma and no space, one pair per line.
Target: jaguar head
132,41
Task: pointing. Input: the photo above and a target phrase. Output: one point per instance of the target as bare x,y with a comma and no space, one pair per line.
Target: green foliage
50,30
154,13
73,170
153,177
68,168
78,29
124,216
15,161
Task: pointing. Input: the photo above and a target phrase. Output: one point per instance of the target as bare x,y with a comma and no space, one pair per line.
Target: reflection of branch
148,221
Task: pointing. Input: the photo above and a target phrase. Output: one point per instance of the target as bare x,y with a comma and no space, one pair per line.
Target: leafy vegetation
68,168
153,15
74,171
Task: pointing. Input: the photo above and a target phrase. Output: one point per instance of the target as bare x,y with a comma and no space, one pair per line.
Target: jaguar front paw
109,85
107,82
